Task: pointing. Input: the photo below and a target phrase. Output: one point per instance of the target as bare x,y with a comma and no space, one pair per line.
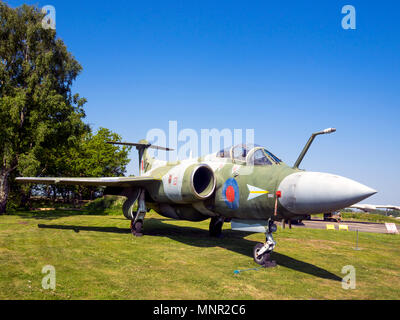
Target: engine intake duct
203,182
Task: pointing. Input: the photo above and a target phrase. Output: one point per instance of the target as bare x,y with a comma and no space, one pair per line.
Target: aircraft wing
364,207
389,207
100,182
371,207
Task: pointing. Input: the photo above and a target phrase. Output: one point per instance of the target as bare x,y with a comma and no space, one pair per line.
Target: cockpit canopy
249,154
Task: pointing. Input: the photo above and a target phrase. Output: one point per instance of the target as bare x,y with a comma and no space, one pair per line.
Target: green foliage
89,156
368,217
38,111
94,157
104,203
41,127
395,213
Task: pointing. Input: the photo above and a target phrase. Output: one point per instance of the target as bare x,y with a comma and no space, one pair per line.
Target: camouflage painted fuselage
241,191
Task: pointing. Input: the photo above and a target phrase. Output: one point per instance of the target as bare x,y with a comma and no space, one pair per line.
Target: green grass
368,217
96,257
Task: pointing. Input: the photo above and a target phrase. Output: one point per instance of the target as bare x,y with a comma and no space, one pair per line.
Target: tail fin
141,147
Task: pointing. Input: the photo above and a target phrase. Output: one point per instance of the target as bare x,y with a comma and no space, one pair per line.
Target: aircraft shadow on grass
233,241
59,214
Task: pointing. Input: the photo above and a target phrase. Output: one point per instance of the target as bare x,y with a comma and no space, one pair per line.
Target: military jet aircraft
373,207
246,185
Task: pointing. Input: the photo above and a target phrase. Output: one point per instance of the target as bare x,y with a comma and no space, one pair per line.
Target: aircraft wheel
136,228
263,259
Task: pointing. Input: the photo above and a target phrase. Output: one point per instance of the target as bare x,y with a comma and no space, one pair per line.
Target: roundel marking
230,193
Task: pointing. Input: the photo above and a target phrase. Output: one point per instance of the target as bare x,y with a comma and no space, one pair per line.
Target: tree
38,111
100,159
91,156
97,158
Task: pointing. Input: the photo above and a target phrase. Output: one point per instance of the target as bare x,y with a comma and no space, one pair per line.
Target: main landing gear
137,228
138,218
216,225
262,252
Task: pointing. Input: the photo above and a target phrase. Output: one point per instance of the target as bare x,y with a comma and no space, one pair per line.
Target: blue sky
282,68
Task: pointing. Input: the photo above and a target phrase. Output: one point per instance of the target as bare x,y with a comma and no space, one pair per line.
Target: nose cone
315,192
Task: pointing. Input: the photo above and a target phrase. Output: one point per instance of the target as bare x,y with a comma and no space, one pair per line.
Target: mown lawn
96,257
368,217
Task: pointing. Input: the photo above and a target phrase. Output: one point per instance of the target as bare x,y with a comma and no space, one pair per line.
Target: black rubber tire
264,258
137,228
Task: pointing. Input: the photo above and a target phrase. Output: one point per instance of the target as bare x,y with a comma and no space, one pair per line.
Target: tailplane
142,146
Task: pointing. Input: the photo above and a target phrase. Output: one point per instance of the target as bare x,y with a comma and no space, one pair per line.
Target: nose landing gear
262,252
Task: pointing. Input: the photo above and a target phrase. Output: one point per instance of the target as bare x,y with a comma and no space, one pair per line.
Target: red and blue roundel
230,193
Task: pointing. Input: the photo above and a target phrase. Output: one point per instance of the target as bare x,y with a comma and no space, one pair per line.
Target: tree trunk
25,198
4,189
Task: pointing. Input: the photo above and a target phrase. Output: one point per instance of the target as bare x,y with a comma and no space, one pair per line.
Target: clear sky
282,68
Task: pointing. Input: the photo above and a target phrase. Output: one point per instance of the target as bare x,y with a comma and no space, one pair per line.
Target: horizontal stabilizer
141,145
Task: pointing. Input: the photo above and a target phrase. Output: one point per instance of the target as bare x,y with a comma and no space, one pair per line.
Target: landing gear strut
262,252
216,225
137,221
